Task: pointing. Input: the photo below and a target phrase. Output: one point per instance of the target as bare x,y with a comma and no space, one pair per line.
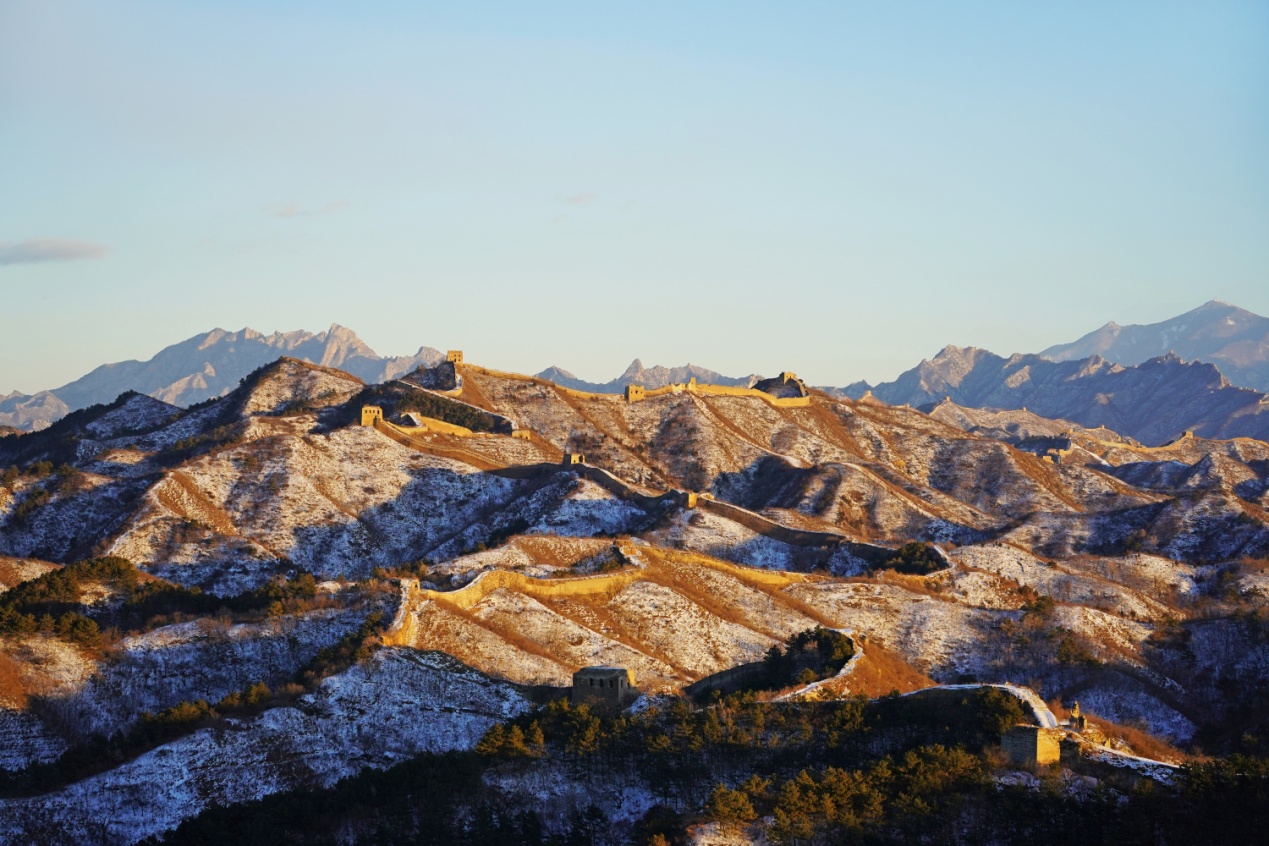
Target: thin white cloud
49,249
283,212
579,199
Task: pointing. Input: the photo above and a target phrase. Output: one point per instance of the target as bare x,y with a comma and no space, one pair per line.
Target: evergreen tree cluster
895,770
806,657
915,559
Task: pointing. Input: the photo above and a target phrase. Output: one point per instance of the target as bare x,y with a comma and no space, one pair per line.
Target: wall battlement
431,424
469,595
417,442
637,393
486,583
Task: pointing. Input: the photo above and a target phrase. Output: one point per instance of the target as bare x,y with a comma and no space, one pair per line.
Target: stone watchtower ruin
1032,745
1077,721
454,356
370,414
604,687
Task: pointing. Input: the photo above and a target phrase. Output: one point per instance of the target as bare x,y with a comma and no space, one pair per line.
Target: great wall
415,437
638,393
1030,740
486,583
1073,438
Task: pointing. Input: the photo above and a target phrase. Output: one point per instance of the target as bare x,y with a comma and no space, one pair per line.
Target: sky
837,188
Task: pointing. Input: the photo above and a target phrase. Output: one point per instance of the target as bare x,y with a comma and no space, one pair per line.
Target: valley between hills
257,596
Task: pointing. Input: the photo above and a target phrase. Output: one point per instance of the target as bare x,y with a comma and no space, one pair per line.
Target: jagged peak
338,331
215,336
953,352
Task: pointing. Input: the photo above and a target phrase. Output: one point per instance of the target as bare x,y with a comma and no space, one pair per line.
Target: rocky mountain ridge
207,366
1235,340
1073,558
1153,402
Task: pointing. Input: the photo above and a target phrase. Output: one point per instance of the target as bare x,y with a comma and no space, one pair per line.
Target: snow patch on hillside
397,705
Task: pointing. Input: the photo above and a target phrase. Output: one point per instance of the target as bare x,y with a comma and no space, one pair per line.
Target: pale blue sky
834,188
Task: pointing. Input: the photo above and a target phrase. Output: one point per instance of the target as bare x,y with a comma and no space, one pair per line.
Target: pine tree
514,744
730,807
535,740
492,742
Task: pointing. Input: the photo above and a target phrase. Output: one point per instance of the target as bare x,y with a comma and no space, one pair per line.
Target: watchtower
454,356
1077,722
1032,745
370,414
604,687
636,393
571,458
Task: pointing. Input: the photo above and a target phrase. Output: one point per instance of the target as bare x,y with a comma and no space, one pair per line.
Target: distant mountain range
205,366
1233,339
648,377
1150,382
1153,402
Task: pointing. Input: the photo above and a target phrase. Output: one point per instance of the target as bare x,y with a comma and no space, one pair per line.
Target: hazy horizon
837,189
523,367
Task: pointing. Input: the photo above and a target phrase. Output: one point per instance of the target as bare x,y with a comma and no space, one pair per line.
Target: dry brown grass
14,571
913,584
472,394
202,510
803,608
13,693
510,636
770,582
700,596
560,551
1139,742
607,625
881,671
445,446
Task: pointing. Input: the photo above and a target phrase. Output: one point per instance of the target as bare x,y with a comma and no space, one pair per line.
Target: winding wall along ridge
676,388
404,438
870,553
622,489
403,628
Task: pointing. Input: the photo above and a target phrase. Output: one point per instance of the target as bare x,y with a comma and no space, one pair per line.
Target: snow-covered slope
395,706
1075,561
